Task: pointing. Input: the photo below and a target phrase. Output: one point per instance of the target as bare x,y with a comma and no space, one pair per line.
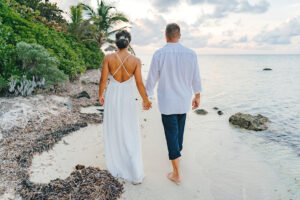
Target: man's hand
147,104
101,100
196,101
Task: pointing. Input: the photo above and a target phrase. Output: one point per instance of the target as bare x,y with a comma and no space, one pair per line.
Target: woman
121,129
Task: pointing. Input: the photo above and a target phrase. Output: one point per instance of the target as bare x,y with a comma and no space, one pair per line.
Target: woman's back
122,66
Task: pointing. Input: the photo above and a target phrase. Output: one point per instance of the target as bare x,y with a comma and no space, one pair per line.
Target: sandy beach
215,164
218,162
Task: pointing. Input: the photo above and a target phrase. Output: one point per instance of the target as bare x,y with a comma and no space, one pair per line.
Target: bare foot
174,178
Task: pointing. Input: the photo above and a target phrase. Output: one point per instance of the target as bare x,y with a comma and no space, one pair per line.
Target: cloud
225,7
282,34
260,7
65,5
229,43
147,31
222,8
151,32
164,5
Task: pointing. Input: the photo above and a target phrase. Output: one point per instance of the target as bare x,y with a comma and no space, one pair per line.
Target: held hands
101,100
196,102
147,104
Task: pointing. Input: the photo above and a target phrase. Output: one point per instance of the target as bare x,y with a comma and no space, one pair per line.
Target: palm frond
89,9
76,14
117,30
118,17
131,50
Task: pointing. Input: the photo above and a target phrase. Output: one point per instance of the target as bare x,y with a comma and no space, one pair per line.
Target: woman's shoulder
134,58
109,55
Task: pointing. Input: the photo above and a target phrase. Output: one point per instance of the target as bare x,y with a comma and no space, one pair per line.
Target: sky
212,26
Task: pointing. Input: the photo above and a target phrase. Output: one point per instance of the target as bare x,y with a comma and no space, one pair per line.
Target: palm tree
104,18
77,20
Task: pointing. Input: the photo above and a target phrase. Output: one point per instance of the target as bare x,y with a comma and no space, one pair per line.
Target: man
176,69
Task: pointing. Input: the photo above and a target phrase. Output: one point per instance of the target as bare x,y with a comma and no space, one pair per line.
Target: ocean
237,83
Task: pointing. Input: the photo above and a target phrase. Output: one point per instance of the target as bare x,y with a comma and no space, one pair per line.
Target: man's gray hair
172,30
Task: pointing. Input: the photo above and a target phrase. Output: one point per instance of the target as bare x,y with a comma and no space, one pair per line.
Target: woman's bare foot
175,178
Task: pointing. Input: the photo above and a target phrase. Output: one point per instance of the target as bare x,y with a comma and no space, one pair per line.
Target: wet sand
215,164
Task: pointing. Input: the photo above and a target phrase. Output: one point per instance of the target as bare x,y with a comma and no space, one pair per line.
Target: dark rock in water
83,94
216,108
201,112
220,112
267,69
79,167
250,122
101,109
136,99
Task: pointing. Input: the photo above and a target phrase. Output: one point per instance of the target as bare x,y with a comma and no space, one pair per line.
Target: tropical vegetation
37,42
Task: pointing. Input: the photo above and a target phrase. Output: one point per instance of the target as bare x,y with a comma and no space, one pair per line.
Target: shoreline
216,162
214,166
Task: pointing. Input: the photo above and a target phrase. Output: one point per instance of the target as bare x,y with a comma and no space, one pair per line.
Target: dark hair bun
123,39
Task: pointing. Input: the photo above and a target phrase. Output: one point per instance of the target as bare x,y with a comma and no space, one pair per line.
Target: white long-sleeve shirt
176,69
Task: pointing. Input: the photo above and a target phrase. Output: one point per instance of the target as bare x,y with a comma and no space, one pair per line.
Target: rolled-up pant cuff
174,156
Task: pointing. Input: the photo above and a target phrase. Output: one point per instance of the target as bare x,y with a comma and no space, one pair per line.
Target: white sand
216,164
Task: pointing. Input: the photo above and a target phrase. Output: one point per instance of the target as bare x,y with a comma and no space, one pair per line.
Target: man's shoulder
158,51
188,50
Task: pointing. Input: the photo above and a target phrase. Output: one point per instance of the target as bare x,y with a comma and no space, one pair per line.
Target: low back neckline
121,65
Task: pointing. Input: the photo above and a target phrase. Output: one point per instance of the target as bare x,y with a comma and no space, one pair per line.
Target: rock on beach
249,122
83,94
201,112
267,69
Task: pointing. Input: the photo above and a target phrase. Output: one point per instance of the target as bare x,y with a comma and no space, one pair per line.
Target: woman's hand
101,100
147,104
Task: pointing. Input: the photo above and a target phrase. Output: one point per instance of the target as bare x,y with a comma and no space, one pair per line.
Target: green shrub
38,63
3,83
73,56
92,58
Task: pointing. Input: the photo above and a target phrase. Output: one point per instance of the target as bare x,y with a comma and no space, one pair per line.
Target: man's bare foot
174,178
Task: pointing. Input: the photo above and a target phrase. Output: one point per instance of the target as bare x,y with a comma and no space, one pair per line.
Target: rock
101,109
85,82
65,142
267,69
83,94
220,112
69,105
215,108
79,167
250,122
136,99
201,112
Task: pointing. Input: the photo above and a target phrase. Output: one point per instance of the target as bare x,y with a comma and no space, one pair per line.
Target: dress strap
122,65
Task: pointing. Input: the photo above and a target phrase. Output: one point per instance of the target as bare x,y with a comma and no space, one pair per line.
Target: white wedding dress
121,130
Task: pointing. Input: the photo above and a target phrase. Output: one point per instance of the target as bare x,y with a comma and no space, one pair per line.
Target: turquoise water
237,83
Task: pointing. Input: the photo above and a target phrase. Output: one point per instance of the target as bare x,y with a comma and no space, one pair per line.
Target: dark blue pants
174,129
